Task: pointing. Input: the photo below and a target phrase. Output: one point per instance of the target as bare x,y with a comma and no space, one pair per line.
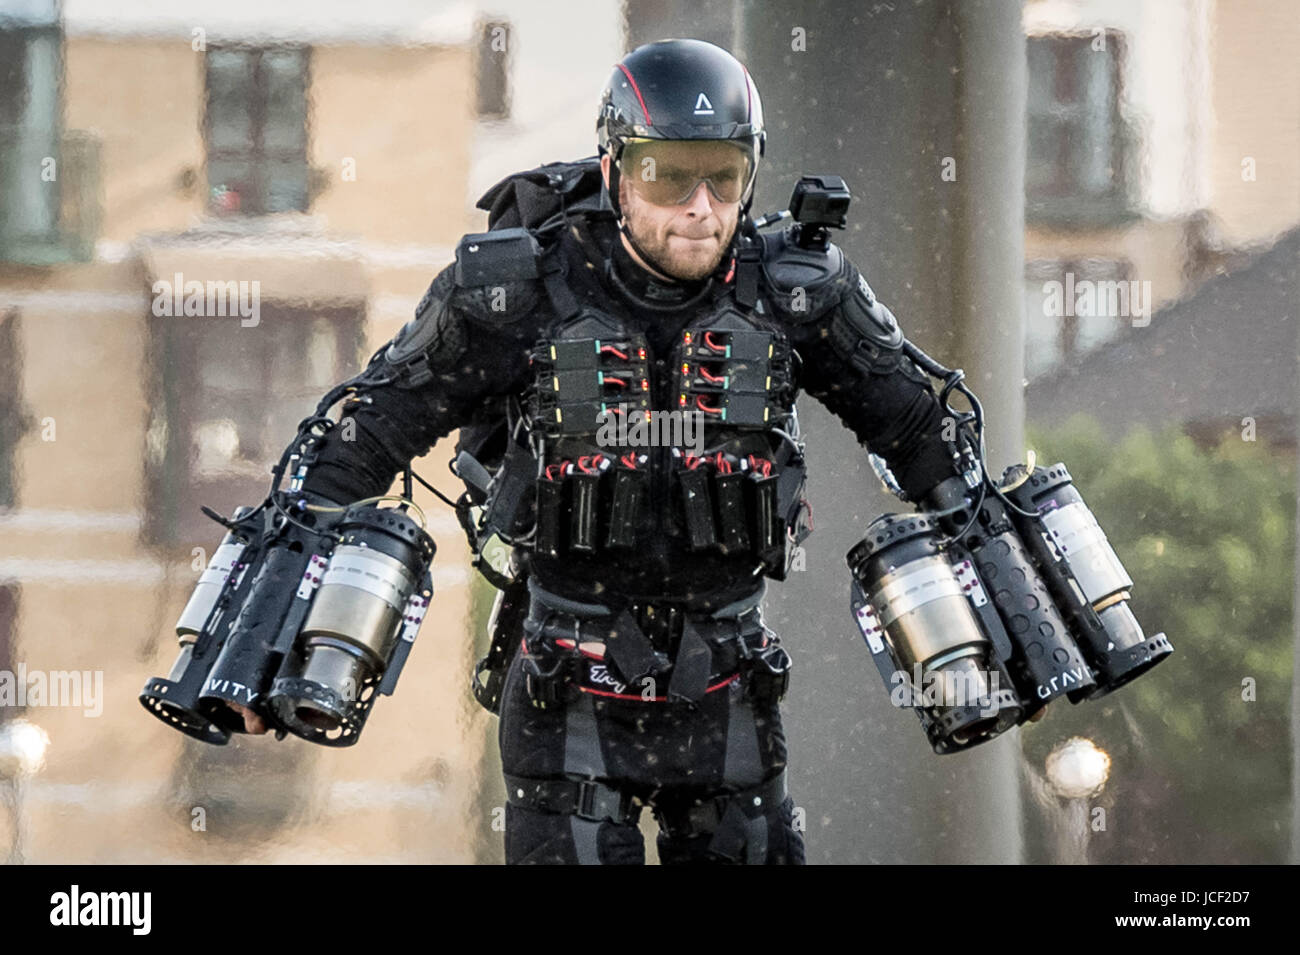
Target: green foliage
1198,774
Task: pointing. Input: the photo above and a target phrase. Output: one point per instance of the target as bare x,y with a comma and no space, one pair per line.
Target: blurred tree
1208,536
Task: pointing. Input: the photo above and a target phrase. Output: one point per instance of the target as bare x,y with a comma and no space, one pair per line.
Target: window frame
10,610
1065,203
1085,268
256,154
173,485
16,420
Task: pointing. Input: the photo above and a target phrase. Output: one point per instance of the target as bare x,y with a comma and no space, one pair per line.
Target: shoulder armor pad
870,317
802,283
434,339
497,275
506,255
866,332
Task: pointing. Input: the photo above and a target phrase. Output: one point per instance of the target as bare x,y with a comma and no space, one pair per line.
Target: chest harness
699,442
618,441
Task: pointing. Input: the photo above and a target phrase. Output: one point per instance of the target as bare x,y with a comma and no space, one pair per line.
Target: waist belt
595,800
643,639
578,608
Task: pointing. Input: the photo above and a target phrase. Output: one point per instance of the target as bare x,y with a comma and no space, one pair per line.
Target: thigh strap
585,798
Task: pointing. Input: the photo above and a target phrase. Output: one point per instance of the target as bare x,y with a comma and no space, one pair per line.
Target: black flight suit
670,723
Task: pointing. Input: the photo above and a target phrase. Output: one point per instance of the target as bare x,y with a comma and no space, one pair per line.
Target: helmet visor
666,172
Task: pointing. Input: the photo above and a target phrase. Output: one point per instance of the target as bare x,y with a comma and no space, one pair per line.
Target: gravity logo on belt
598,673
702,106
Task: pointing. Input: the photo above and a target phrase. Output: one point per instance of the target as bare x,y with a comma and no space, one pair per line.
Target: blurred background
1093,207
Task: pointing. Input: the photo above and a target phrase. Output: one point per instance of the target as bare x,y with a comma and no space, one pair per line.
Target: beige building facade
329,172
1163,147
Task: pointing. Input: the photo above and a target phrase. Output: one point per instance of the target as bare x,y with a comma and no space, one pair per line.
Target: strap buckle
597,801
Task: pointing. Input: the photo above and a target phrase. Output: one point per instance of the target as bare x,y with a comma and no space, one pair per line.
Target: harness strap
562,298
632,652
748,258
691,667
584,798
595,800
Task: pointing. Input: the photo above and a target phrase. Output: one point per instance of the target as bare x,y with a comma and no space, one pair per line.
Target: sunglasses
667,172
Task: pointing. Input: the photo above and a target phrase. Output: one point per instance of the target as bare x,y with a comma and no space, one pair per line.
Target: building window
492,66
1071,307
8,632
1078,143
48,175
255,130
228,401
30,70
15,420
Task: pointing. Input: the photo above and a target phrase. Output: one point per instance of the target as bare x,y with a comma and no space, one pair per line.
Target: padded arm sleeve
853,362
436,375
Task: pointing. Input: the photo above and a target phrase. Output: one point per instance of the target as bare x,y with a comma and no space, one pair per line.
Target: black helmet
680,89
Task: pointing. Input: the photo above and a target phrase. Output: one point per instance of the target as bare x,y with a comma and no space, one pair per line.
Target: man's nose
699,200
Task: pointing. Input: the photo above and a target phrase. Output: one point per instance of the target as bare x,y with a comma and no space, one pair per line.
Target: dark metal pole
881,94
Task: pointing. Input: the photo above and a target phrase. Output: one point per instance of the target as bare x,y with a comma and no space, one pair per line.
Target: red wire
617,381
707,377
699,403
613,350
708,340
629,460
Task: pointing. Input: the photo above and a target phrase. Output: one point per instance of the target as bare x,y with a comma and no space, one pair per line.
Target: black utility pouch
626,502
584,513
550,511
768,522
697,504
733,530
550,672
507,511
509,611
766,674
549,678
